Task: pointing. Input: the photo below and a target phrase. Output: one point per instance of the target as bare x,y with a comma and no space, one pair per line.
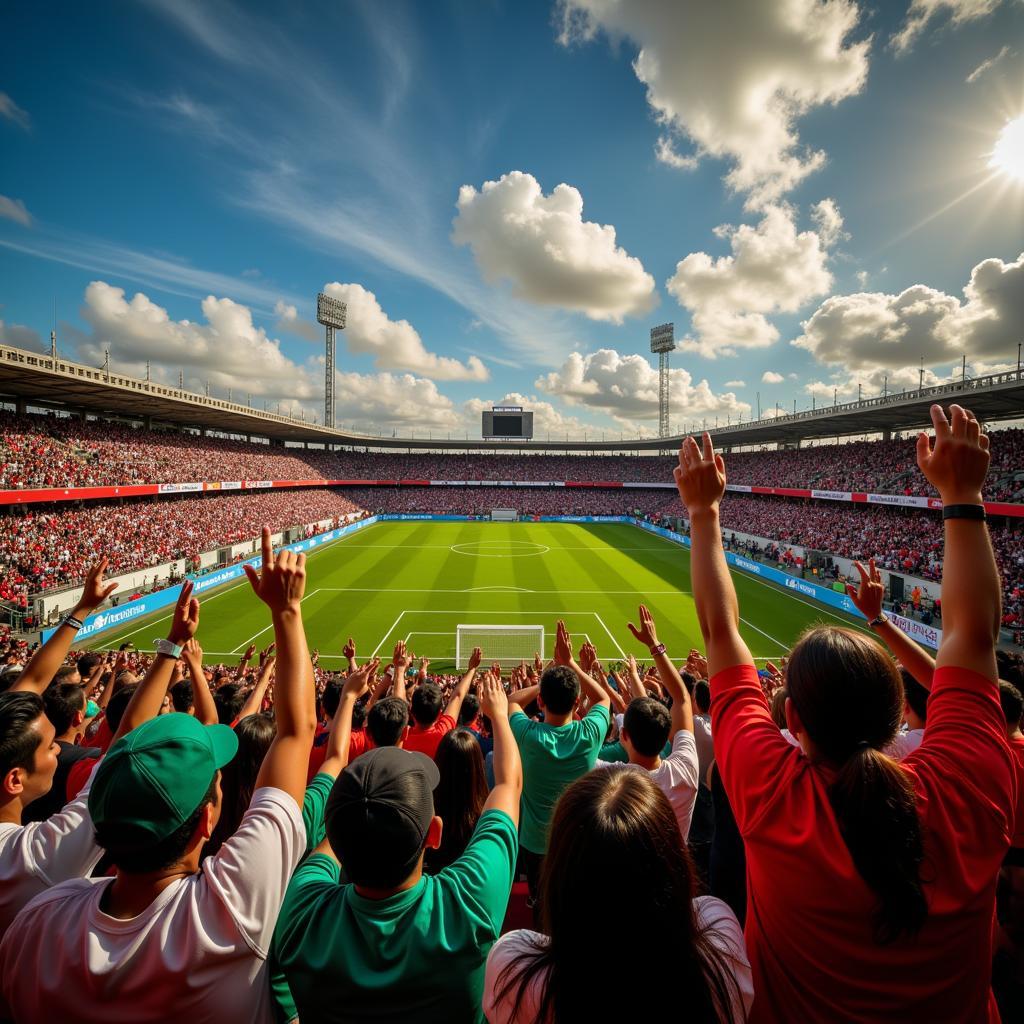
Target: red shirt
1017,749
426,739
358,743
809,928
78,777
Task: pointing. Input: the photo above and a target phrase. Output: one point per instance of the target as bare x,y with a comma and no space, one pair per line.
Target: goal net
504,515
507,644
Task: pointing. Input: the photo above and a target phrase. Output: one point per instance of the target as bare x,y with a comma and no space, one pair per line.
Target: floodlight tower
331,313
663,341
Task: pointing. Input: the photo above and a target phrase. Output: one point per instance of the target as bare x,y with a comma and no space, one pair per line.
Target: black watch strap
963,512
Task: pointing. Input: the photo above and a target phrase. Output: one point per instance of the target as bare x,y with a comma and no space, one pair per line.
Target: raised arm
280,585
205,708
520,698
455,704
682,709
149,697
400,661
592,690
700,478
349,650
243,662
43,665
971,604
867,598
508,769
336,757
254,702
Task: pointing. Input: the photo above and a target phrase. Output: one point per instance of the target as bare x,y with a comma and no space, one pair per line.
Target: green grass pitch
416,581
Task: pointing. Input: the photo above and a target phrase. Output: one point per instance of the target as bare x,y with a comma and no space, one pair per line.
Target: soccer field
416,581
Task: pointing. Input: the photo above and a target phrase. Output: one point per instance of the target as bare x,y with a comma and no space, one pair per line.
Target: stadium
417,586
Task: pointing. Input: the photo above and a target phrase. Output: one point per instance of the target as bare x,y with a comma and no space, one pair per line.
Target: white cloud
843,386
872,330
550,254
665,152
14,209
626,387
987,65
12,112
372,402
829,222
735,383
922,11
771,377
20,336
395,344
734,77
547,418
862,278
773,268
288,319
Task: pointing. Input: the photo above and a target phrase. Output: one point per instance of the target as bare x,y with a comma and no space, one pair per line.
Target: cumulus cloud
735,383
771,377
844,387
10,111
374,401
288,319
736,75
921,13
547,418
986,65
549,253
395,344
773,268
829,222
666,153
872,330
626,387
14,209
19,336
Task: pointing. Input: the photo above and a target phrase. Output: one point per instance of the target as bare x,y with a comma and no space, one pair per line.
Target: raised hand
357,682
349,650
95,591
867,598
400,657
958,464
476,656
493,699
538,663
185,619
646,634
280,583
700,475
267,654
563,645
249,652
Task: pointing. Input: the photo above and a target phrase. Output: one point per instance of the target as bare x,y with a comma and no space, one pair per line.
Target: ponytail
876,808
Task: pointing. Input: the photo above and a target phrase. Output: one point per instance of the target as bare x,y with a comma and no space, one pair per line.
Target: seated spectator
617,824
459,797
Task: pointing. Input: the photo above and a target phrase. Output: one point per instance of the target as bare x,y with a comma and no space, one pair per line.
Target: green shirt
416,956
314,803
553,756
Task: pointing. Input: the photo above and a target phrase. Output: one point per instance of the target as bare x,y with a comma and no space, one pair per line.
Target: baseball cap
378,814
152,780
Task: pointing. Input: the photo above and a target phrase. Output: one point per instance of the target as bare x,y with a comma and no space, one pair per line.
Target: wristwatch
658,649
168,648
880,621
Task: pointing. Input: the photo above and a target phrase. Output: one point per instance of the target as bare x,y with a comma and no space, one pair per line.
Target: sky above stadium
823,196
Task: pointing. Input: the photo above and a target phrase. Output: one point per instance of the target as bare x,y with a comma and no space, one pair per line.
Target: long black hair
459,798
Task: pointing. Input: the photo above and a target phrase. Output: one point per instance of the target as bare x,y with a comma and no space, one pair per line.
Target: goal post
502,643
504,515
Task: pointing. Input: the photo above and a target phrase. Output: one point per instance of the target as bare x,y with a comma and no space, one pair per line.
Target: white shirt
197,953
705,747
39,855
903,743
678,777
724,933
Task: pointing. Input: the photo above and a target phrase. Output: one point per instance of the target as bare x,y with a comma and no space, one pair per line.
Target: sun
1008,155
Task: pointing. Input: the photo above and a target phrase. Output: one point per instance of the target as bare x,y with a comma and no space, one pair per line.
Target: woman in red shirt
871,884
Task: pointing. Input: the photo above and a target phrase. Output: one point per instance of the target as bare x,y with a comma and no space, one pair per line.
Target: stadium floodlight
331,313
498,643
663,341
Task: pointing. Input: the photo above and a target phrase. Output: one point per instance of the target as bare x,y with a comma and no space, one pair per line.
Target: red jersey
809,917
426,740
1017,749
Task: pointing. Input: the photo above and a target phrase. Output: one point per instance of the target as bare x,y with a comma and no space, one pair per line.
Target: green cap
152,780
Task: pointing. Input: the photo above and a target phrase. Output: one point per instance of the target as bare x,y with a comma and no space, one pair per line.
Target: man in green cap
164,941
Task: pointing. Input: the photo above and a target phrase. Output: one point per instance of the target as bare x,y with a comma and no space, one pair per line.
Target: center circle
508,548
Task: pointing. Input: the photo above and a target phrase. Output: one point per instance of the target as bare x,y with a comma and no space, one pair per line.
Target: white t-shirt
37,856
903,744
725,934
197,953
677,777
705,746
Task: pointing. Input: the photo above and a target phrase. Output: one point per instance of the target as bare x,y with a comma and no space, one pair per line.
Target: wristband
168,648
70,620
964,512
880,621
660,649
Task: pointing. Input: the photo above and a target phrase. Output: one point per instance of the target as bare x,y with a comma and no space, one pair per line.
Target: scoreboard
507,422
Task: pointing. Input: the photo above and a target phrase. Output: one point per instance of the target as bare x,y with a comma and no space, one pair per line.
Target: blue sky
181,179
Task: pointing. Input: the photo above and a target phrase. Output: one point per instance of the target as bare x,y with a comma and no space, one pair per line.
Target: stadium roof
40,380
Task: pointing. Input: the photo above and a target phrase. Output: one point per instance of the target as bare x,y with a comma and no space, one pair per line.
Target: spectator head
28,752
915,695
156,797
778,707
387,721
645,727
618,824
1012,702
427,702
117,705
689,681
559,689
9,676
459,797
359,713
845,704
702,696
182,697
469,710
332,696
380,817
65,707
229,700
66,674
87,662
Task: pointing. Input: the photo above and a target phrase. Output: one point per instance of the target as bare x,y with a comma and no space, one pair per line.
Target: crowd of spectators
53,451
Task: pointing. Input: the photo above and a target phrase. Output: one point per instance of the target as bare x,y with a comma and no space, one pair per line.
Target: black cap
378,814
